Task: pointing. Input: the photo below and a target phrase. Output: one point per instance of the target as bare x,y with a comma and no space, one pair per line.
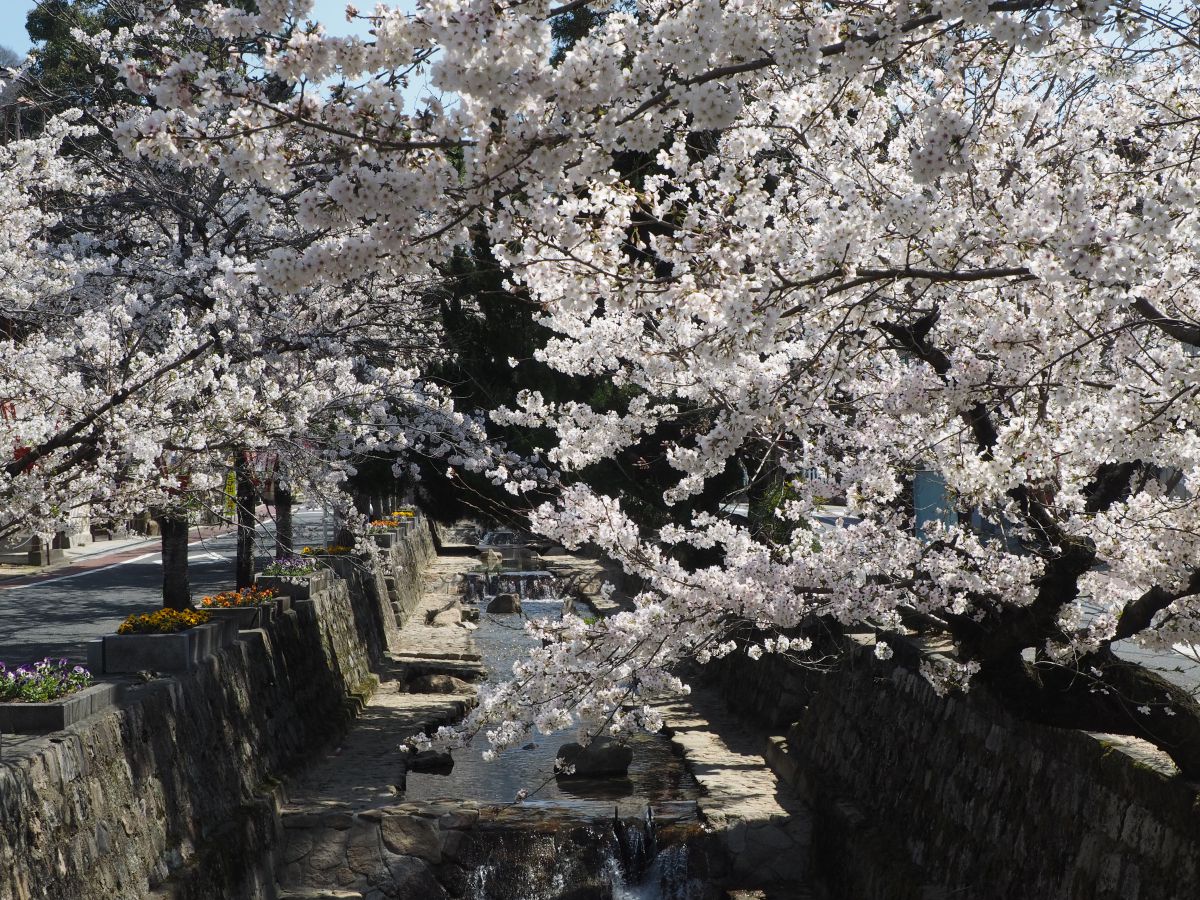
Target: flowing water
611,847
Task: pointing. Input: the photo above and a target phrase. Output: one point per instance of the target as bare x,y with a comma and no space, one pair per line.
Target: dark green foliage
568,28
64,73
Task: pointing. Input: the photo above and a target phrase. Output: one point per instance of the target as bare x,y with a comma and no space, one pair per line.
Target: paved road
57,615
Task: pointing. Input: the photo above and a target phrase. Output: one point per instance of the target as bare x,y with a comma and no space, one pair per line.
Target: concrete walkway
764,827
366,769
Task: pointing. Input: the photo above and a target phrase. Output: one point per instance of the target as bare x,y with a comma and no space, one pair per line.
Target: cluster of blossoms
291,565
331,550
163,621
251,596
836,251
41,682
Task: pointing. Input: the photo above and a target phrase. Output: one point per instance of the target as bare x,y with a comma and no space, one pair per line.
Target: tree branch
1138,614
1182,331
67,437
828,50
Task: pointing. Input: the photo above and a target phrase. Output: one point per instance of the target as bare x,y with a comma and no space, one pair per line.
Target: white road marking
122,562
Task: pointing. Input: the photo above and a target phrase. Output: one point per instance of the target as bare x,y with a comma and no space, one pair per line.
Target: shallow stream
615,849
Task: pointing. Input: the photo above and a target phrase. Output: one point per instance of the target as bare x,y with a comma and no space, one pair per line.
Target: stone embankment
344,826
920,797
175,791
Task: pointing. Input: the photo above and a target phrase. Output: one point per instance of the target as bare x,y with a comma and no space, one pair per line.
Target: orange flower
250,596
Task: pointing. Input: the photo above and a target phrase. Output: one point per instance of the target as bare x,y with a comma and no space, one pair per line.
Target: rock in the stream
505,603
439,684
436,762
604,757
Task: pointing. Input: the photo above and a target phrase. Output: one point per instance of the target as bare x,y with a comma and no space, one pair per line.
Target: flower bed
251,596
163,621
41,682
251,607
290,565
49,695
331,550
165,640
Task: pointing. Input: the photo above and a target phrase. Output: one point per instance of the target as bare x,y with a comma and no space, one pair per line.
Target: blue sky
332,13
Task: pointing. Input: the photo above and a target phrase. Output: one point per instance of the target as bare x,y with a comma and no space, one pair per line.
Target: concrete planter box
296,587
282,604
43,718
179,652
385,539
241,616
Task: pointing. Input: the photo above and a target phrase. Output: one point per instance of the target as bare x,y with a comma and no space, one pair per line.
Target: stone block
151,652
504,604
95,655
241,616
603,757
439,684
179,652
43,718
412,836
414,878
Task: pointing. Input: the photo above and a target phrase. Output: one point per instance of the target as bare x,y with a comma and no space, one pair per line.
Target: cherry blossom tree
145,355
840,243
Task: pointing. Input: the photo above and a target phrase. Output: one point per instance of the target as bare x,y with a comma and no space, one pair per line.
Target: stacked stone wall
409,560
174,792
926,797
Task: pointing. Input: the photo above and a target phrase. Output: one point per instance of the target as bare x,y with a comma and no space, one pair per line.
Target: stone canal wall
920,797
173,793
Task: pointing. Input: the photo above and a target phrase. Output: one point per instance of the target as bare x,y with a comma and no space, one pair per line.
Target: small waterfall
637,845
531,585
618,861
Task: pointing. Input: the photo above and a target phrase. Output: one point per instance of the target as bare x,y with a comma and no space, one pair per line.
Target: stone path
421,640
335,812
365,768
763,825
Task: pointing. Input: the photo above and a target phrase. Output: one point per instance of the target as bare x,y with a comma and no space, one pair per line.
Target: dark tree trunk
283,521
1104,693
245,522
173,529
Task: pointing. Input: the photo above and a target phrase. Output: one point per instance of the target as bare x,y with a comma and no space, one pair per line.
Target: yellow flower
163,621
